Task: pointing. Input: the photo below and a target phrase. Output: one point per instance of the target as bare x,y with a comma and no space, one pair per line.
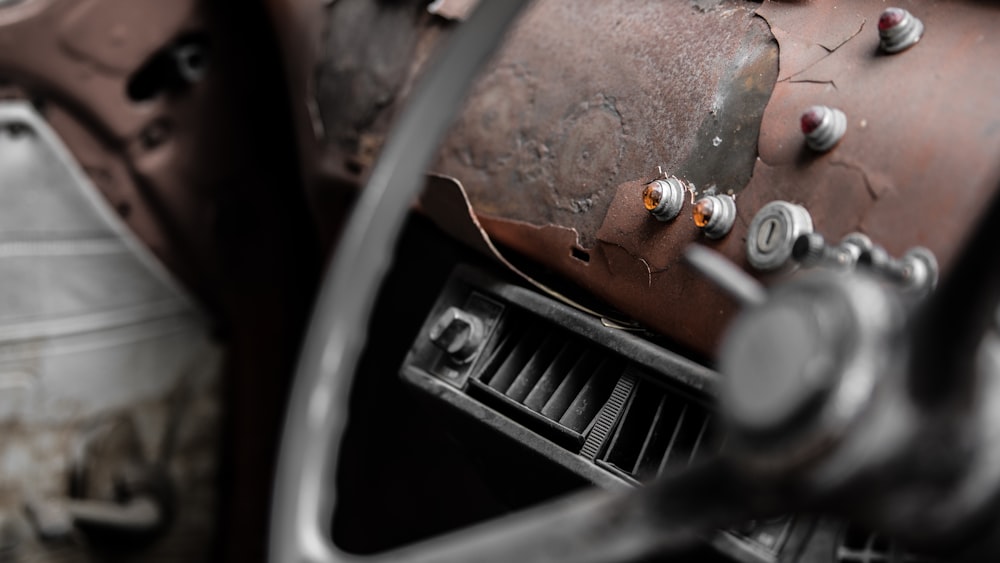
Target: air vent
660,432
604,404
547,379
862,546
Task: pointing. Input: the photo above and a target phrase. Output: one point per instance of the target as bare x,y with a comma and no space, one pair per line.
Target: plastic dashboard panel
602,403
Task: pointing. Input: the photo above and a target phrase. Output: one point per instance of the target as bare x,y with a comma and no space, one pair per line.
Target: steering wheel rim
584,527
592,526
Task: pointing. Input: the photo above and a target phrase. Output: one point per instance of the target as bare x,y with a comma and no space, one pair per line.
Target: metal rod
726,275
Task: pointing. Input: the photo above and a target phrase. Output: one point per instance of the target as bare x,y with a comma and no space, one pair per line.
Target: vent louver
862,546
608,405
660,431
547,379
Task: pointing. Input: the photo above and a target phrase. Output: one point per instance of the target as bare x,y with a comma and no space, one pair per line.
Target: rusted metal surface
446,202
915,167
371,53
580,103
923,151
585,104
581,100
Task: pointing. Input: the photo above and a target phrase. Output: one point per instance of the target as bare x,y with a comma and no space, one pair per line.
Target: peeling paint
621,87
918,153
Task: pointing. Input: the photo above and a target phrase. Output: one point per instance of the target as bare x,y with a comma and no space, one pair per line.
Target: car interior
613,281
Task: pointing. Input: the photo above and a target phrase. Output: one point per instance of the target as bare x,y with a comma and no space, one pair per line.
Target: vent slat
673,441
550,380
652,460
539,363
497,357
688,435
658,431
515,361
698,441
592,396
563,396
587,398
630,435
654,430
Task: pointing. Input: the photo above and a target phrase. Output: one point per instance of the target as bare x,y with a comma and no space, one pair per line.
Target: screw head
812,119
652,194
664,198
922,266
898,30
715,215
890,18
704,209
823,127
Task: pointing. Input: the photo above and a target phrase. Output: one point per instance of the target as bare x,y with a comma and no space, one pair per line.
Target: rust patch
726,142
592,144
811,38
359,80
445,201
914,168
581,100
923,149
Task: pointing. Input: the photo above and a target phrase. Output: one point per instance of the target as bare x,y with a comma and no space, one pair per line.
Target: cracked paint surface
584,106
920,146
915,167
581,100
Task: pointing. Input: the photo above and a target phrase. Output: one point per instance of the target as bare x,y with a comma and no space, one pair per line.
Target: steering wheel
594,526
584,527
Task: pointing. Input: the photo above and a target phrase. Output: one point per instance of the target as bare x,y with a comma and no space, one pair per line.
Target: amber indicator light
703,210
651,196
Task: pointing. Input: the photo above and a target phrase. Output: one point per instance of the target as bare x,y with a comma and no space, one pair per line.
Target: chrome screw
664,198
898,29
823,127
811,250
715,215
458,333
923,268
856,244
916,271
